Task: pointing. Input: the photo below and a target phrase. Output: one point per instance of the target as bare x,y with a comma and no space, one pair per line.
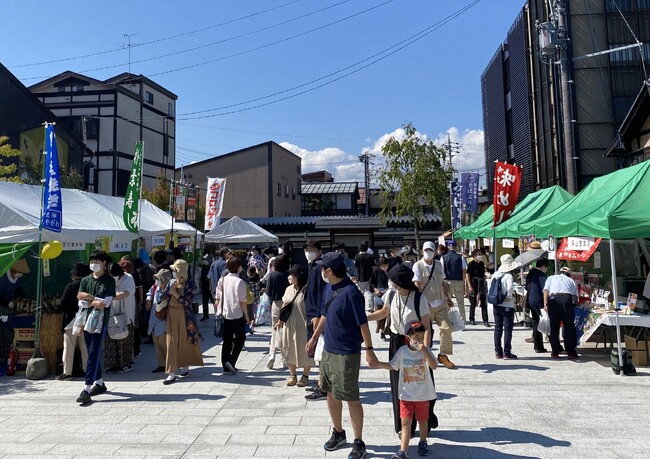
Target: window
61,88
148,97
170,109
293,194
278,191
79,88
286,191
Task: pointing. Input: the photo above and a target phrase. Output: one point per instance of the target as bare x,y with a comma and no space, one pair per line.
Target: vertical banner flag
469,196
507,179
179,214
191,206
214,202
456,208
132,197
52,206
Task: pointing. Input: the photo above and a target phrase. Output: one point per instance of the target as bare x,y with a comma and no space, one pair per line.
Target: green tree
159,194
415,174
8,165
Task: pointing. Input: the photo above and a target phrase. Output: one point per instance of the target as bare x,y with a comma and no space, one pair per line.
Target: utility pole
554,42
365,159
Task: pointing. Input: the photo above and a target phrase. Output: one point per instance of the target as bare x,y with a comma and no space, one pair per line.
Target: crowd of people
319,315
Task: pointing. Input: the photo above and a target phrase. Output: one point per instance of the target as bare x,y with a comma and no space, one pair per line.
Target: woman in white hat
504,310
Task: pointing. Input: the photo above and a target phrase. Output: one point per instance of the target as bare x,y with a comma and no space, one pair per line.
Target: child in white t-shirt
416,387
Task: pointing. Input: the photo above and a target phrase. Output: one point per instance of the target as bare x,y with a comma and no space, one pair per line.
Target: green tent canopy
614,206
535,205
469,231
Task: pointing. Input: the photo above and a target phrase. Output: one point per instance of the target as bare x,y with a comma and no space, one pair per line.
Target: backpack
497,294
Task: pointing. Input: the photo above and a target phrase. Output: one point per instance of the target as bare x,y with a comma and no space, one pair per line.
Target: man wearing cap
343,320
560,298
429,277
313,297
70,306
455,276
10,283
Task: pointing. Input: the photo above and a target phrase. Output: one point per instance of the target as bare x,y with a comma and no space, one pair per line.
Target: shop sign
73,246
508,243
580,243
565,253
157,241
120,247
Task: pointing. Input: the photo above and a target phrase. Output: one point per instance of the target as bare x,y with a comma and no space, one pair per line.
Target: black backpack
497,294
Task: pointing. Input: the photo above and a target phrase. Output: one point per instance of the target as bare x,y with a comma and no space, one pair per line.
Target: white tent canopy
86,216
238,231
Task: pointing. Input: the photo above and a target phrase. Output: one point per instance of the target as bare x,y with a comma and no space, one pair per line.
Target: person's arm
318,330
378,315
371,358
384,366
241,296
433,364
546,293
468,281
426,321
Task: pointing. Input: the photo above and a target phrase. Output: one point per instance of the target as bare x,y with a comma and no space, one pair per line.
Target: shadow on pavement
446,451
500,436
167,397
492,367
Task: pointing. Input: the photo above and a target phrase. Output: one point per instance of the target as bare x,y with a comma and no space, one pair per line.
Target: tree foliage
8,165
160,193
415,175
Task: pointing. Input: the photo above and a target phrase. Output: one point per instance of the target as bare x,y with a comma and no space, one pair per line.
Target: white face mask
427,255
95,267
480,258
325,278
310,256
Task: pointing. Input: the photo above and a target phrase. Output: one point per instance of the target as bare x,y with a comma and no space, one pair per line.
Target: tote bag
117,322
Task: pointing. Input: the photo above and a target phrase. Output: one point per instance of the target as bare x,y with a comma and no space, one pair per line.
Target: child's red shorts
419,409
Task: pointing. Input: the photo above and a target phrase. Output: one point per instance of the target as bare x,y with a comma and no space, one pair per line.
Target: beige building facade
262,181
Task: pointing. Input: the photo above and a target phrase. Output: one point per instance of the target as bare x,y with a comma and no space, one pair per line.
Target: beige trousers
457,290
160,345
71,341
440,316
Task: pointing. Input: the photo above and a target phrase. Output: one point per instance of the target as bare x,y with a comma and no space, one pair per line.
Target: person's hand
420,346
371,358
278,325
310,347
83,296
470,290
546,308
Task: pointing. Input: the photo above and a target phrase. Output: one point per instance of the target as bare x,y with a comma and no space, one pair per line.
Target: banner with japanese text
507,180
577,248
469,196
52,218
456,205
132,197
214,202
191,205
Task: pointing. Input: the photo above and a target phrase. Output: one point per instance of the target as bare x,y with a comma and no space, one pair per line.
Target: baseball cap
565,269
413,325
451,243
333,260
429,245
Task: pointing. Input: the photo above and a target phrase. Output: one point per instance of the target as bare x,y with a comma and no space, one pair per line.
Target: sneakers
230,368
510,356
292,380
337,440
445,361
487,324
270,363
124,369
311,387
170,380
97,389
472,322
540,351
401,454
316,395
303,381
423,448
529,340
358,450
137,353
498,356
64,377
84,397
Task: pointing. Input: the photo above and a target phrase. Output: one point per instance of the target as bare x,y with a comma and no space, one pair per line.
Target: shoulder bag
218,315
117,323
285,312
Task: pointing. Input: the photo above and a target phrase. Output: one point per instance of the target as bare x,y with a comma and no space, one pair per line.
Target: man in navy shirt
535,281
343,319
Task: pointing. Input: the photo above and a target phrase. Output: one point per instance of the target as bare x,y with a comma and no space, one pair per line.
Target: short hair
100,255
116,270
363,247
541,262
475,251
383,260
416,328
223,252
233,264
282,263
339,246
159,257
127,258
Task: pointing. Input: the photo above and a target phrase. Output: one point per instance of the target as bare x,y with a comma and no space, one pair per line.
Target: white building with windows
110,116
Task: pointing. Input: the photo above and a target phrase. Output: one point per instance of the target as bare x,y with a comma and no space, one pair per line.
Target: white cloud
345,166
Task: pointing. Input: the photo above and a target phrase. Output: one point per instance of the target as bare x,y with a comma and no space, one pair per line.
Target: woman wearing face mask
404,305
477,291
118,354
292,322
157,327
230,300
257,260
182,334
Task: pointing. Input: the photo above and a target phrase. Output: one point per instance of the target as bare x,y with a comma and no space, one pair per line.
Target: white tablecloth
609,320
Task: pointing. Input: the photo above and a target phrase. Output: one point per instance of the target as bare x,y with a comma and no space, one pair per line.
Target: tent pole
615,293
555,250
494,251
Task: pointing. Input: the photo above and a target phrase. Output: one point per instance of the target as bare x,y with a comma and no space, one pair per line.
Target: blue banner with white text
52,206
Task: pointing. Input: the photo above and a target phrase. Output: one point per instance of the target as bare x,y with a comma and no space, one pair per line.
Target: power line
272,133
99,53
241,53
395,48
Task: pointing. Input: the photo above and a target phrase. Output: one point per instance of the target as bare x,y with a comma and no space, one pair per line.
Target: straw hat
20,266
535,245
508,263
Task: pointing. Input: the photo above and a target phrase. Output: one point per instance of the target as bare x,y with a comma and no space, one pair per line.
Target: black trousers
538,338
397,341
234,337
478,299
504,319
561,309
207,295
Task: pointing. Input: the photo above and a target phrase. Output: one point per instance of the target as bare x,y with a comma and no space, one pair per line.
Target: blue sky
433,83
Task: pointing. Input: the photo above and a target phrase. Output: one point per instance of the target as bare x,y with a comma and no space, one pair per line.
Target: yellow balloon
51,250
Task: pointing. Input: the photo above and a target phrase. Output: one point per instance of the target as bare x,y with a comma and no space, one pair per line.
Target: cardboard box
638,349
24,334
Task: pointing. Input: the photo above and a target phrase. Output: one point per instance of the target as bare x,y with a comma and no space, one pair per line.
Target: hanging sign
580,243
456,205
69,246
487,241
157,241
103,243
582,254
507,179
120,247
131,210
508,243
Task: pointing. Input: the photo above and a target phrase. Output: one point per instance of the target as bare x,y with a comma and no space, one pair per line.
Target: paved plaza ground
532,407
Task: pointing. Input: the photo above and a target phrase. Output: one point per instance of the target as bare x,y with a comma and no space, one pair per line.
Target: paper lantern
51,250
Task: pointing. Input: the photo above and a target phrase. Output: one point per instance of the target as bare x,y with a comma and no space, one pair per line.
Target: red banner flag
507,178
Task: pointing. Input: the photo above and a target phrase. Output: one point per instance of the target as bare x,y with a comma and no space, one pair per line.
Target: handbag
118,323
456,322
218,315
161,308
36,366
